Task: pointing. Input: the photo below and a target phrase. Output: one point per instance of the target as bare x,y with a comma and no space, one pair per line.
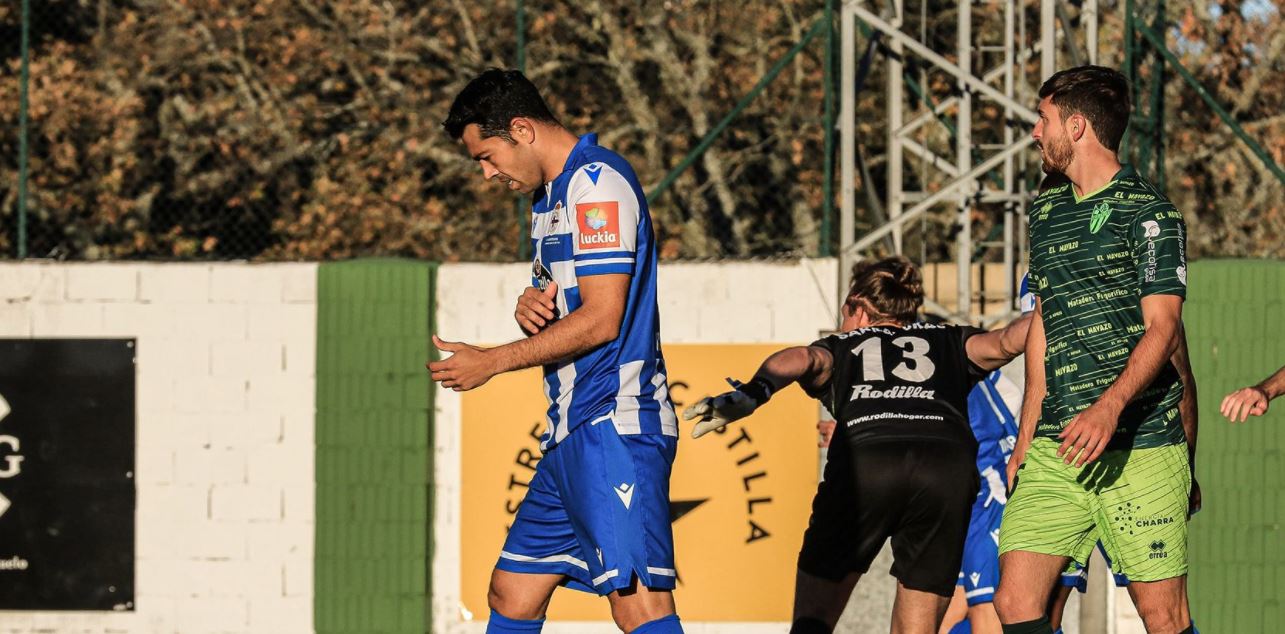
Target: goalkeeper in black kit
903,461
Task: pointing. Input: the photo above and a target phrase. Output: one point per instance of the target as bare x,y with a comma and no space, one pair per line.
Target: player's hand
468,366
826,429
1014,464
997,492
536,308
1087,435
713,413
1243,403
1194,502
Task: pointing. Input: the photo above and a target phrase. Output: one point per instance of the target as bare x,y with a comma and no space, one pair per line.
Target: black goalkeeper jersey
901,384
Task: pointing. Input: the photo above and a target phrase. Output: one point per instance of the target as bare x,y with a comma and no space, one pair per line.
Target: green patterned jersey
1092,260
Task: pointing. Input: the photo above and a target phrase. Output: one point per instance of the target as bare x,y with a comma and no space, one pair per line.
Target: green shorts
1134,501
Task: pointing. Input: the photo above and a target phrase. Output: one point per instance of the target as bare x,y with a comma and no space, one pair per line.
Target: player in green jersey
1101,447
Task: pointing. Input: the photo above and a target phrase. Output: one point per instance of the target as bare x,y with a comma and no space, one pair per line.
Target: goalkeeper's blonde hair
889,288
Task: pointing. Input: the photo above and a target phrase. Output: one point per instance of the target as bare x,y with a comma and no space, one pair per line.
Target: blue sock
1059,631
663,625
500,624
962,627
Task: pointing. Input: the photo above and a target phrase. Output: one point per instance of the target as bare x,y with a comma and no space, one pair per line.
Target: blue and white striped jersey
593,220
992,406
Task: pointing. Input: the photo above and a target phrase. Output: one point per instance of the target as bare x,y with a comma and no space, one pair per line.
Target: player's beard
1055,155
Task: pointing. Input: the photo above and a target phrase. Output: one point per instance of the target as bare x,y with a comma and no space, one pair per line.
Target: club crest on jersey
541,274
1101,212
599,225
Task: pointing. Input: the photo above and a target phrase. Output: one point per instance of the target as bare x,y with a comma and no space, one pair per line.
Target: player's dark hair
492,100
890,288
1098,93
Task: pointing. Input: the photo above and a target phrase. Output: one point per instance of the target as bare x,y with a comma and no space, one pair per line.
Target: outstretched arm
1253,400
994,349
808,366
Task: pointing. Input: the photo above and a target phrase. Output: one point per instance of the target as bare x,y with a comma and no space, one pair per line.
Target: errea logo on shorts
1158,550
599,225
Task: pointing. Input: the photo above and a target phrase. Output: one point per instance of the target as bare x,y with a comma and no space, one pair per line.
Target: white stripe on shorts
665,572
554,559
972,593
610,574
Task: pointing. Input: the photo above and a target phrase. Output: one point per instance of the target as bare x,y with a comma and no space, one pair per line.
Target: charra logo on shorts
1153,521
899,391
599,225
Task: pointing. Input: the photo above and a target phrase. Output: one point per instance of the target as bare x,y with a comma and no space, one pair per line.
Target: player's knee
504,601
628,619
1013,606
1162,618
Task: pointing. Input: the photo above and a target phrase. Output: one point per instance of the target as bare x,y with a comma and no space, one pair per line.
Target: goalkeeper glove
716,412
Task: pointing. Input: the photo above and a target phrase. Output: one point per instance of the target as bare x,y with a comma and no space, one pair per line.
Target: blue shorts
1077,576
597,511
979,572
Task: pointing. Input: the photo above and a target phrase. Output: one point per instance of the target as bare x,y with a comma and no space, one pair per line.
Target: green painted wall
1235,316
374,447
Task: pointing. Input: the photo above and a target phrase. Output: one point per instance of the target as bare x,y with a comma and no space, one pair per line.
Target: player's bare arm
808,366
993,350
1254,399
1189,410
596,322
1033,394
1087,435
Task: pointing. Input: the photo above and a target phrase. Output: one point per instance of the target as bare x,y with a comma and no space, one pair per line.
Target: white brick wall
737,302
224,523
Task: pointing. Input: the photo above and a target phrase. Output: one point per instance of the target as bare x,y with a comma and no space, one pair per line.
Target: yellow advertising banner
739,503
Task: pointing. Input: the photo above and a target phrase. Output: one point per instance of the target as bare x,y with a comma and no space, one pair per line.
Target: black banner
67,474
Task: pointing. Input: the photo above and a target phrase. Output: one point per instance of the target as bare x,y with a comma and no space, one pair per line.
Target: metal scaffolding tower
988,169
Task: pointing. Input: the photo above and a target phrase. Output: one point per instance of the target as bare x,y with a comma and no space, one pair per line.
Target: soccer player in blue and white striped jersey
596,514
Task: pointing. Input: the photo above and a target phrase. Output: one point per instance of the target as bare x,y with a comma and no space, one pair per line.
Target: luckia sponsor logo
596,219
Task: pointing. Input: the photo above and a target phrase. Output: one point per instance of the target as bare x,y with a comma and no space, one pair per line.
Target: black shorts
920,494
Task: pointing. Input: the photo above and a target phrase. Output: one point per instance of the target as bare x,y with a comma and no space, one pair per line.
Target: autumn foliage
309,129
